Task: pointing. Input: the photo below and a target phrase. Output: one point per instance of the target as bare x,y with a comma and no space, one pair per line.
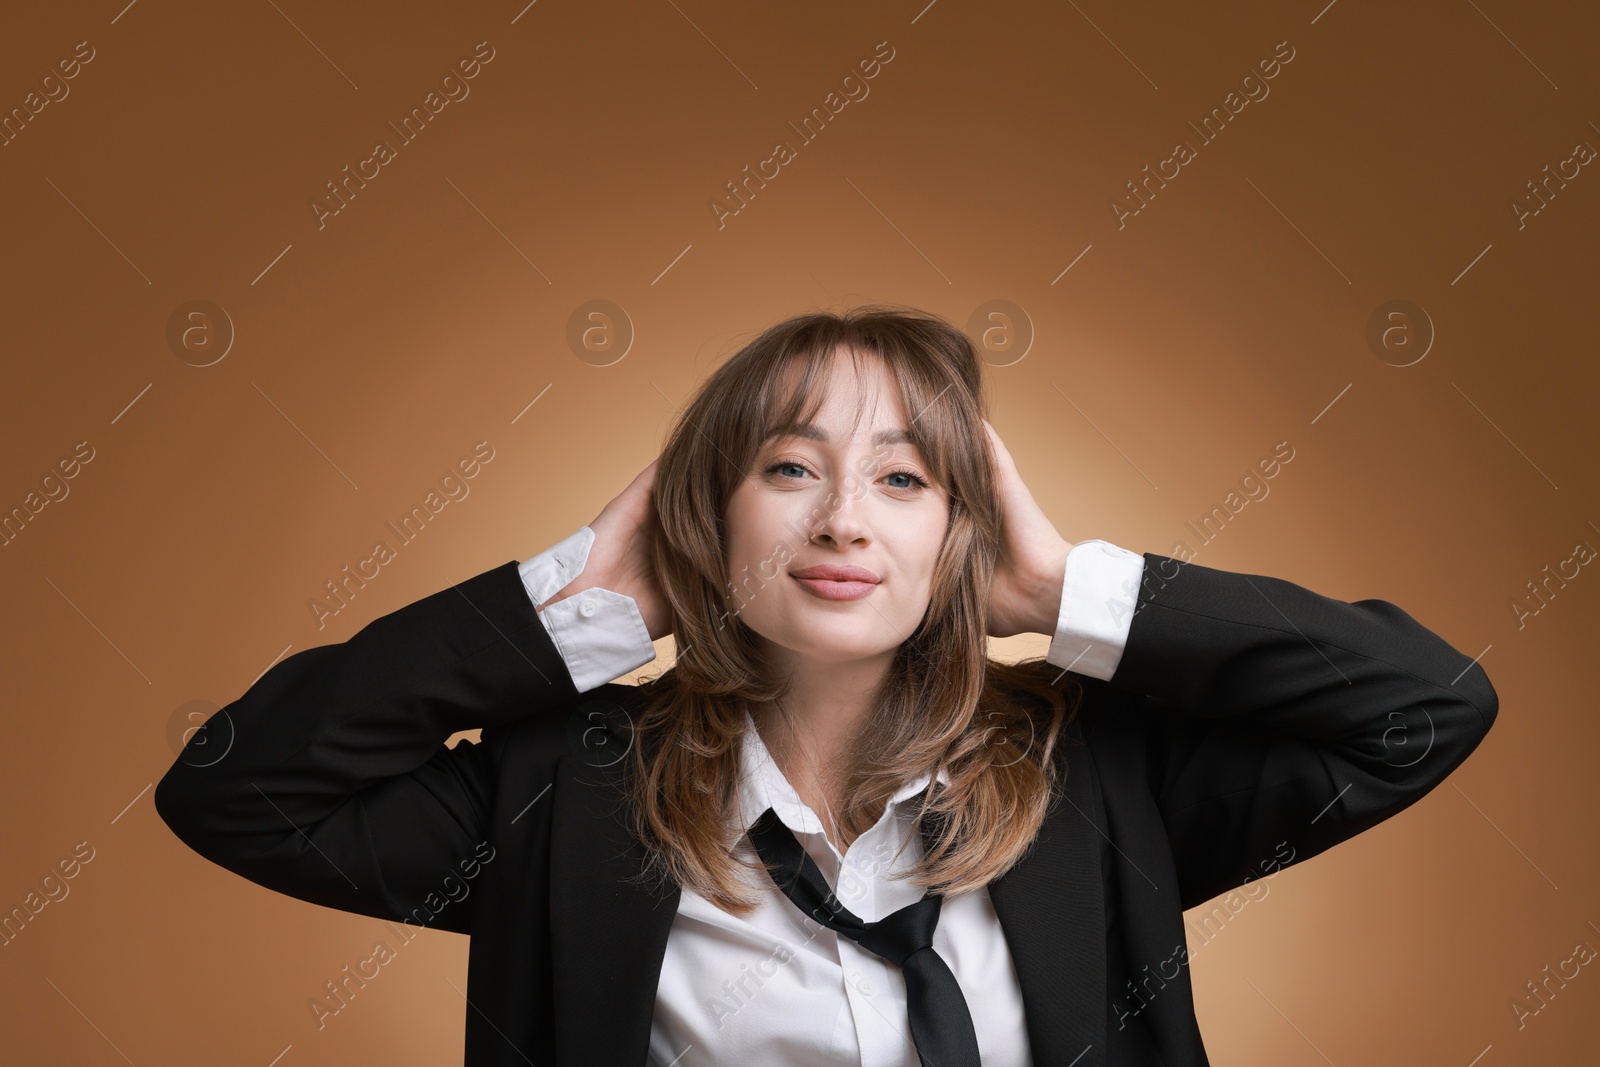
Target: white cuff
600,634
1098,596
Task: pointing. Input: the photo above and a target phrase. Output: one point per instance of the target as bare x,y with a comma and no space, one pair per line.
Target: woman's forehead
845,400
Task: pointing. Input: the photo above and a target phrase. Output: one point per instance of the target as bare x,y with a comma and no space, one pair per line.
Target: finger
1001,453
645,477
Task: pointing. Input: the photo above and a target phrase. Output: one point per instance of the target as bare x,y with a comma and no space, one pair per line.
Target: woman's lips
828,589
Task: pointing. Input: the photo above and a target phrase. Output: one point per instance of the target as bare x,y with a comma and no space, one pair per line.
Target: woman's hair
943,704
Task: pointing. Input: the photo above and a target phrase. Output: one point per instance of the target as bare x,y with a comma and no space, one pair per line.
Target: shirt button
586,608
865,986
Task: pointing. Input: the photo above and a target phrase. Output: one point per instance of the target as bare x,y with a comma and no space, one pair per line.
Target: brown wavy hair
995,728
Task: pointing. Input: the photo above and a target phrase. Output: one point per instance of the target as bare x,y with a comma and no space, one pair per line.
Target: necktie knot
897,936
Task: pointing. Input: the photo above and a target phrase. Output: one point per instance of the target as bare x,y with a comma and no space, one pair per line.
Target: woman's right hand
619,559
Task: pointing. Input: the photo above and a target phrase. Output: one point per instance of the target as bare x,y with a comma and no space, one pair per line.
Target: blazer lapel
1051,905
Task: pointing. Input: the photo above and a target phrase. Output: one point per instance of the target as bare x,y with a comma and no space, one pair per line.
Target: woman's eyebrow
813,432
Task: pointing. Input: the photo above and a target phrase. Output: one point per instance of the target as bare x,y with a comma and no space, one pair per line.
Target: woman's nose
841,520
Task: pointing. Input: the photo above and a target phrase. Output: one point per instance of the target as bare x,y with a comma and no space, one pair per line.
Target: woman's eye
917,481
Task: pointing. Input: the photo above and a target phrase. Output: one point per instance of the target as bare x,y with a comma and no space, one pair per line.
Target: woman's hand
1026,594
619,559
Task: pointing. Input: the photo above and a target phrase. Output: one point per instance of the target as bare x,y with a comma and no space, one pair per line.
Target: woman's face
830,497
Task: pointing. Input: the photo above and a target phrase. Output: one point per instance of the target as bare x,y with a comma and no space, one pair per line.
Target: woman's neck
812,734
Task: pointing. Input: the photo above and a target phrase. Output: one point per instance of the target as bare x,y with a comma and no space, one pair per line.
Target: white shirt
775,986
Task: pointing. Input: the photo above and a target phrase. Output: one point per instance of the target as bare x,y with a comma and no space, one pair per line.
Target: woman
833,831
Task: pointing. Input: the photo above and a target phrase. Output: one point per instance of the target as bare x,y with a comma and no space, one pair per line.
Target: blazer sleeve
1279,722
329,779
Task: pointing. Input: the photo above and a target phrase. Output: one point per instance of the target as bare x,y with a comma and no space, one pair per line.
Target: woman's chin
837,650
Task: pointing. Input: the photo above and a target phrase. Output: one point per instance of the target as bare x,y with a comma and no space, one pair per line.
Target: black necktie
941,1025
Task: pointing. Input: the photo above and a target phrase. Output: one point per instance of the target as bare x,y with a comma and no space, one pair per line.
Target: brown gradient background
432,313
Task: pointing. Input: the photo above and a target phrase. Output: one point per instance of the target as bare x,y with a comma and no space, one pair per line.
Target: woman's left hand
1026,594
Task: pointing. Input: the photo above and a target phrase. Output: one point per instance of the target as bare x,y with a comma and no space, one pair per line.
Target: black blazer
1250,723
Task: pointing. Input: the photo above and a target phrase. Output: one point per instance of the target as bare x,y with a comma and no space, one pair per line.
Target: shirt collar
762,785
